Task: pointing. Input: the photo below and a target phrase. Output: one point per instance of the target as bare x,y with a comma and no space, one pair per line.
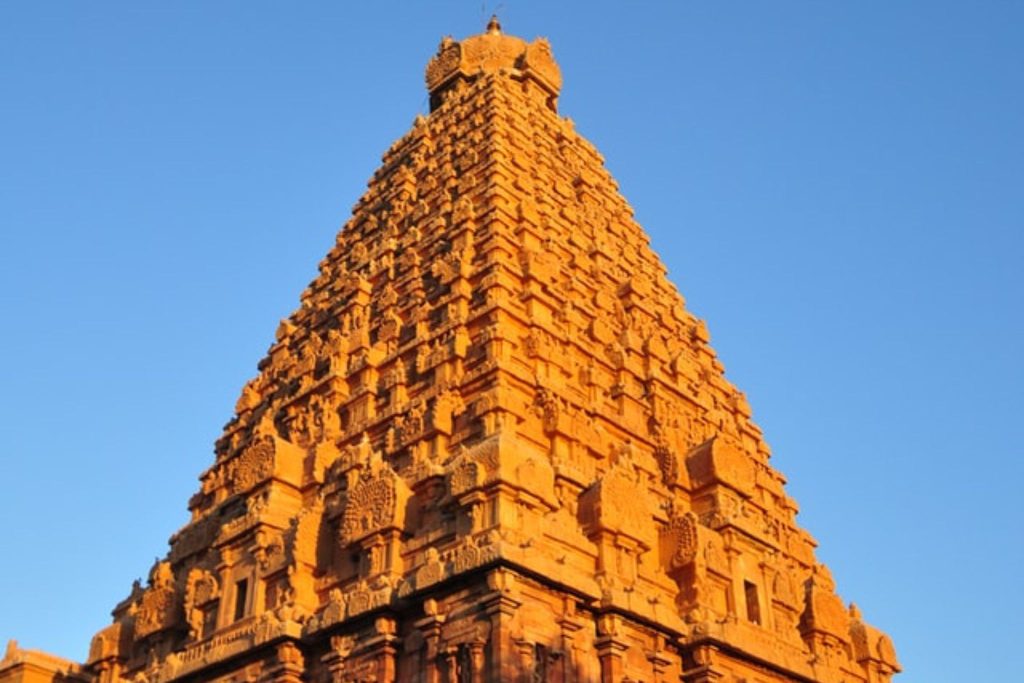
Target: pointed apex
494,26
490,389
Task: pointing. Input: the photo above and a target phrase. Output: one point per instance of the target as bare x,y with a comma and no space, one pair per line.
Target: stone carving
200,589
447,405
431,571
304,533
539,59
617,503
371,506
886,651
490,363
193,538
159,607
823,610
680,540
106,643
254,465
547,409
715,558
782,588
365,597
668,464
335,609
441,67
376,503
473,552
250,397
466,476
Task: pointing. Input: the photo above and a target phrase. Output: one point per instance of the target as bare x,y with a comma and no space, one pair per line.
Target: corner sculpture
491,445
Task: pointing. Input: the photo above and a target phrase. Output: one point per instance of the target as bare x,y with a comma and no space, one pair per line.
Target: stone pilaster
611,648
288,665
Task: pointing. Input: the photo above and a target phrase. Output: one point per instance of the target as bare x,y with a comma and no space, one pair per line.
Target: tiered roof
491,369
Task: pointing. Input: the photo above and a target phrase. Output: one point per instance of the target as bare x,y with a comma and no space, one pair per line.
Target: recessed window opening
357,562
464,665
210,619
540,662
241,592
753,606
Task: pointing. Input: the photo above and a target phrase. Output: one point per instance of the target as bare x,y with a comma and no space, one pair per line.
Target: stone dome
493,52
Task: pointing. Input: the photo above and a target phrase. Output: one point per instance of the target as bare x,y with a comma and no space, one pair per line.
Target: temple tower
491,445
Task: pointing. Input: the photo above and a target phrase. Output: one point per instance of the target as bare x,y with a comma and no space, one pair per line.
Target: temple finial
494,26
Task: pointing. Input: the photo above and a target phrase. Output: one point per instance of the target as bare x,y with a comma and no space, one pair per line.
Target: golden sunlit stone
491,445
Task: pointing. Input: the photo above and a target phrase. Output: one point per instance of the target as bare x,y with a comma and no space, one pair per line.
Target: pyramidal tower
491,445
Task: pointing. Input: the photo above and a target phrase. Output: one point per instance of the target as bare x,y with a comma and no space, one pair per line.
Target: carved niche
823,612
546,406
194,537
448,405
679,542
375,504
303,534
718,461
446,63
668,463
158,608
431,571
466,476
539,60
254,465
617,503
201,588
106,644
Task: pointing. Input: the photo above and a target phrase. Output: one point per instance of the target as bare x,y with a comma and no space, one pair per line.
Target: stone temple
491,445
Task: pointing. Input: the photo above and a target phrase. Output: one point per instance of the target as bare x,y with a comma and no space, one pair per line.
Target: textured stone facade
492,444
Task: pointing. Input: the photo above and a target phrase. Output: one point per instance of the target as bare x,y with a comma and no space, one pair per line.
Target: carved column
336,658
500,606
108,670
382,649
524,670
476,660
451,664
430,627
700,665
382,551
610,648
659,659
289,664
570,626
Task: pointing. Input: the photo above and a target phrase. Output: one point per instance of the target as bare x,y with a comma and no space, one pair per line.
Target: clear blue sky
836,187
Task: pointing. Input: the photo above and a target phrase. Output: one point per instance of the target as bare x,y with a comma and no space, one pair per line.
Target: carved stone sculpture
491,444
